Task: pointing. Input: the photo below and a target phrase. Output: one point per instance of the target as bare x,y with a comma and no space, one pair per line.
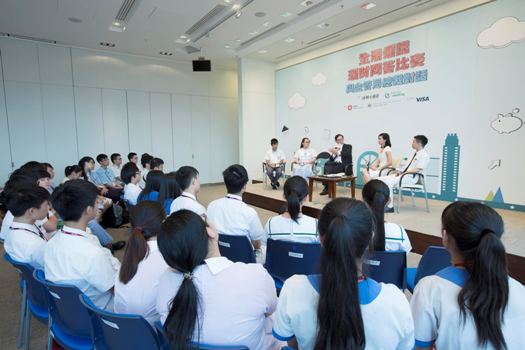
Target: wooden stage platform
423,228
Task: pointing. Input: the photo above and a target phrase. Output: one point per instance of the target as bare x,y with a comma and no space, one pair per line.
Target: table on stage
332,182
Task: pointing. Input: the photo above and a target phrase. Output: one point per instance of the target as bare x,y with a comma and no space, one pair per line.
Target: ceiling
260,31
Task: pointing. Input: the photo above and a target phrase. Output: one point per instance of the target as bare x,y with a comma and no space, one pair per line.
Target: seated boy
74,255
116,167
130,174
188,179
25,240
230,215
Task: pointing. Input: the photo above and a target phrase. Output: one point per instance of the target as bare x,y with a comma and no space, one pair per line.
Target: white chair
419,186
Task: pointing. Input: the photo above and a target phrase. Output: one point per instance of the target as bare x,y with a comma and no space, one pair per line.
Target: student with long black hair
152,188
473,304
72,172
293,224
169,190
341,308
137,282
387,236
384,159
196,300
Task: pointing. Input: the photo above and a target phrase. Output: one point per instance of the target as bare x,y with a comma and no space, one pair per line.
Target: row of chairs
74,322
287,258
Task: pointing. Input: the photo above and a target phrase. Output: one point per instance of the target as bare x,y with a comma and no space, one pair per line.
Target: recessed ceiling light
368,5
238,14
267,24
307,3
236,7
227,46
74,20
117,24
286,14
289,40
260,14
183,37
166,53
323,25
107,44
227,1
253,33
263,51
238,40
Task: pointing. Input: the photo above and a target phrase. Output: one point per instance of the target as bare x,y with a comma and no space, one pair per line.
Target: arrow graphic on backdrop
494,164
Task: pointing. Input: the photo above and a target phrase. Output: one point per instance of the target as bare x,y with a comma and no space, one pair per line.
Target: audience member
152,188
116,167
131,177
275,159
188,179
169,190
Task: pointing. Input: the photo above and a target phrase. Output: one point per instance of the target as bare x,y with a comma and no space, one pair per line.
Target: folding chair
288,258
236,248
110,330
433,260
386,267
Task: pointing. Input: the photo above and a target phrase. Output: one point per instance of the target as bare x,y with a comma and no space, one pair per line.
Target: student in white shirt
137,283
156,164
74,255
144,161
342,308
387,236
116,164
197,300
473,304
49,168
25,241
230,215
72,172
384,160
275,160
417,164
188,179
293,225
130,175
303,159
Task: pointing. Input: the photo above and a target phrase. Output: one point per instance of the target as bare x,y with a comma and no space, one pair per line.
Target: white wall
257,112
63,103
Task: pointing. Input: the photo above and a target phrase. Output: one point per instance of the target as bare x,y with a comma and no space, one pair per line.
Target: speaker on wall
201,65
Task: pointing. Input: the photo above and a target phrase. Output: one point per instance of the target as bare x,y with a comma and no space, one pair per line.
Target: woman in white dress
304,159
383,161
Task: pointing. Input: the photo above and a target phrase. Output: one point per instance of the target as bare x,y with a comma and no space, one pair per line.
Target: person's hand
103,191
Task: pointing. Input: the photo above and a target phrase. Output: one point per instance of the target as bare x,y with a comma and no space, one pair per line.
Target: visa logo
422,99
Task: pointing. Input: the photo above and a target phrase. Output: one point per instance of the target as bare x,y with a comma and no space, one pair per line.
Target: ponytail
295,191
376,195
477,229
183,242
345,226
146,218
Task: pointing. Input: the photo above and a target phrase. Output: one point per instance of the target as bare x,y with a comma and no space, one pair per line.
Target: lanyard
40,234
237,199
72,233
183,195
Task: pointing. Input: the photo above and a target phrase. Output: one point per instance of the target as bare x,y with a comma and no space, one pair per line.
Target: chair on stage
236,248
386,267
433,260
287,258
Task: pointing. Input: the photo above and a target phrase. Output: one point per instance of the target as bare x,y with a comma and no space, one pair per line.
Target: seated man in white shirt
230,215
74,255
116,167
188,180
274,159
130,174
25,241
417,164
144,161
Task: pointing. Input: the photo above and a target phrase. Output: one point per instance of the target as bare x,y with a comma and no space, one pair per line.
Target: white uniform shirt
25,243
116,170
187,201
280,227
139,295
143,175
228,315
385,310
419,161
274,157
396,238
383,159
79,259
8,220
231,216
437,317
304,155
131,193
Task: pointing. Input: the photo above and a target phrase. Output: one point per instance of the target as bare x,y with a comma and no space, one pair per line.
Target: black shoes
389,210
274,187
324,192
277,184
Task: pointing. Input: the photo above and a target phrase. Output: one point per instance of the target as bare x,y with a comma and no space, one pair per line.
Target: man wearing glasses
340,160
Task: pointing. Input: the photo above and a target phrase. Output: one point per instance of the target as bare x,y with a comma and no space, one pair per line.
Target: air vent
316,7
126,10
423,3
23,37
207,17
324,38
262,35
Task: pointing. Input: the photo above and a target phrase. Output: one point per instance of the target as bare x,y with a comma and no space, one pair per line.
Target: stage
423,228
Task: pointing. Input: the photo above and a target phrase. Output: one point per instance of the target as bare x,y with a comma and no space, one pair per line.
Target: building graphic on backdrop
450,168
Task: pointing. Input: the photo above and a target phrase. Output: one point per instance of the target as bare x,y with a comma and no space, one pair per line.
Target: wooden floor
423,228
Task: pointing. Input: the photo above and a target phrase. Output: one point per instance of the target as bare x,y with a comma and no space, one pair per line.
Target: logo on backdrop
392,65
422,99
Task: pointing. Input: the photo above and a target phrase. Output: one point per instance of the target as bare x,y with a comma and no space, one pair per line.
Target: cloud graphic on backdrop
502,33
319,79
505,124
296,101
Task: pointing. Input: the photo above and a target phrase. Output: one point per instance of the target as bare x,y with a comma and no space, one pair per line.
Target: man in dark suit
340,160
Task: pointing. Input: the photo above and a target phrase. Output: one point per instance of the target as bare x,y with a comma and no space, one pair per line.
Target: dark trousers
332,167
